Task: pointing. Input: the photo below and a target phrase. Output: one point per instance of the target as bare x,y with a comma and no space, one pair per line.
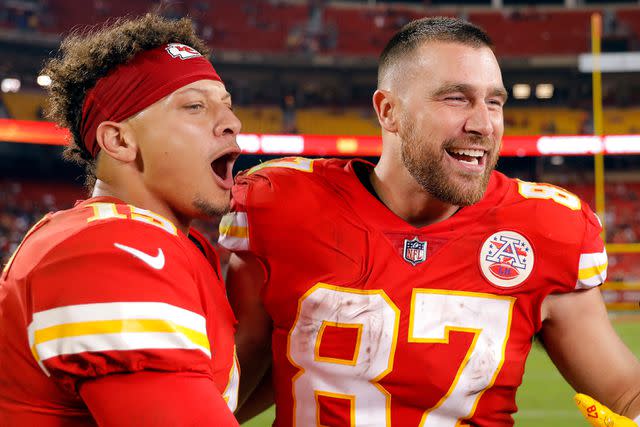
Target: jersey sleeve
234,226
592,268
257,198
119,297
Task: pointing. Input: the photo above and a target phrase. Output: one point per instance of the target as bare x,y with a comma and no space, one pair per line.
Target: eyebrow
465,88
205,92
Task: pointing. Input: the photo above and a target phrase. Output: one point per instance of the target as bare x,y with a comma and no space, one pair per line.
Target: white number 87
434,313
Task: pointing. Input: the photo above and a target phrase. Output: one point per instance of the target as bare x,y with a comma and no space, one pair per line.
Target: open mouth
468,156
222,168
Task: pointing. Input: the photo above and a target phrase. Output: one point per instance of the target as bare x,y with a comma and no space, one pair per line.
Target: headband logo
182,51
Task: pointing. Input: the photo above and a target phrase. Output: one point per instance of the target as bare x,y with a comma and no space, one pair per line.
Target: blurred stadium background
302,73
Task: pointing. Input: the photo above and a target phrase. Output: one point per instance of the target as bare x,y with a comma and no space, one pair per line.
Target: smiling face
187,144
449,118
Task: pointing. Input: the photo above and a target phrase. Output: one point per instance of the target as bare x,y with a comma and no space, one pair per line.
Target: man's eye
196,106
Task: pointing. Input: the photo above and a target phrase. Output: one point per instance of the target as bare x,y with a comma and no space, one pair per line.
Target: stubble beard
210,210
426,166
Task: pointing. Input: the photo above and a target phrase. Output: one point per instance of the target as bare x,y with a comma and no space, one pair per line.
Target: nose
227,122
479,121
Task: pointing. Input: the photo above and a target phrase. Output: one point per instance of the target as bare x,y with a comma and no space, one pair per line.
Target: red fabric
156,399
132,87
69,260
343,237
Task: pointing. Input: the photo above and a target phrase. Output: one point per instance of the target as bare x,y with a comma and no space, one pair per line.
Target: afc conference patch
506,259
414,251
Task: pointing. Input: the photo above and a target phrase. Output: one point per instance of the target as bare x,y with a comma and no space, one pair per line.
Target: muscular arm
245,278
581,342
156,399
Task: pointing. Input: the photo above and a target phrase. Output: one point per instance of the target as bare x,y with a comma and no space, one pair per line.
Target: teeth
470,153
473,161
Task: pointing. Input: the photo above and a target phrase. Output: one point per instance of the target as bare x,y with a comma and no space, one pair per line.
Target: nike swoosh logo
156,262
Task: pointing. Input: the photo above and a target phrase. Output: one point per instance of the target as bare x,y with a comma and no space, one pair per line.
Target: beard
426,164
210,210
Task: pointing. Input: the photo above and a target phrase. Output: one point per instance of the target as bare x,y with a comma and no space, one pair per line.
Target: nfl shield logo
414,251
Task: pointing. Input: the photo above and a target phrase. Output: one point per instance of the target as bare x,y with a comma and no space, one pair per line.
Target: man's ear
384,103
115,141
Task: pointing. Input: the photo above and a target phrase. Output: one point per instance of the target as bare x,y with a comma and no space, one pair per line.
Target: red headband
135,85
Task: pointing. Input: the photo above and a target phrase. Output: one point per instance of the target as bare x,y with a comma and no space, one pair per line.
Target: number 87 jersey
379,323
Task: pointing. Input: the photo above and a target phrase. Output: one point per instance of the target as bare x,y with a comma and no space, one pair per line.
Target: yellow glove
599,415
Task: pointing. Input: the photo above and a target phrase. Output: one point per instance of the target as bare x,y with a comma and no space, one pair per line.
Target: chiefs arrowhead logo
182,51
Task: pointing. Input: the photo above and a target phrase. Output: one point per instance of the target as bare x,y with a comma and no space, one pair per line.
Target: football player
114,312
408,293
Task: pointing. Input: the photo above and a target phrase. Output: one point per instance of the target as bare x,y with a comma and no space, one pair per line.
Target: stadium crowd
22,204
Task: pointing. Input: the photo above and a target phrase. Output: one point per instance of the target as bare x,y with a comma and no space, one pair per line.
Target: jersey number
534,190
104,211
434,314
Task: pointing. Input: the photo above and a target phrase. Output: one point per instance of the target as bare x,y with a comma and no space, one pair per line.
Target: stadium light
610,62
44,80
521,91
10,85
544,91
557,160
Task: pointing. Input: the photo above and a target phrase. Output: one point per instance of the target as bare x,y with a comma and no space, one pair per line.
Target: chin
471,197
460,193
211,208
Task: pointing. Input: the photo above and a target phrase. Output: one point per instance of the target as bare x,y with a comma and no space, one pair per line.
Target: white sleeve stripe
236,219
592,260
592,270
118,310
120,341
101,312
234,243
234,232
230,394
592,281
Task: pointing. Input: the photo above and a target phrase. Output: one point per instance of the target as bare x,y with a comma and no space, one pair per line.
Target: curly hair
87,55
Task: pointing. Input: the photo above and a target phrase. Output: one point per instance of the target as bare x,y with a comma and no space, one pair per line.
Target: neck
136,196
397,189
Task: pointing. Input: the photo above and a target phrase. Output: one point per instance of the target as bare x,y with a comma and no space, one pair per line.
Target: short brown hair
437,28
87,55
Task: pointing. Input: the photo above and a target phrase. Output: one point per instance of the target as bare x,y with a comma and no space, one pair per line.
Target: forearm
630,403
255,362
260,400
582,343
245,279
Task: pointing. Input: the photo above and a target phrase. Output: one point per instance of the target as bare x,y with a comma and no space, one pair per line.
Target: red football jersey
379,323
107,288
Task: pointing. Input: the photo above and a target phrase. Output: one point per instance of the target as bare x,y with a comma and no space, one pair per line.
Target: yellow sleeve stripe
119,326
586,273
230,394
234,231
115,326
